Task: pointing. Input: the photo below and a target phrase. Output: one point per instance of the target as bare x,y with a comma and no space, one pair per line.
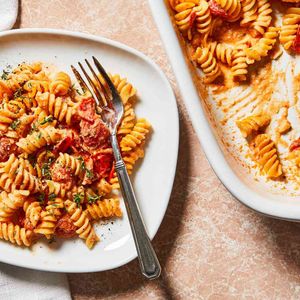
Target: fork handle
149,263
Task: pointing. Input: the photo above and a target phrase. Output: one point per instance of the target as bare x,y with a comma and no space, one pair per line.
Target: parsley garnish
15,124
41,197
93,198
79,92
39,135
46,171
82,164
51,196
18,93
89,174
31,159
77,198
46,120
4,75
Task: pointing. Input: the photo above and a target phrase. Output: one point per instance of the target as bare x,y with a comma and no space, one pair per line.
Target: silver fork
111,109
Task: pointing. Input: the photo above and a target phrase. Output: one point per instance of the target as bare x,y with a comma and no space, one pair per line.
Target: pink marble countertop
210,246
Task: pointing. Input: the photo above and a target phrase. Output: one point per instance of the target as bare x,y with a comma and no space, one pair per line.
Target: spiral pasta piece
55,206
252,124
130,159
46,224
266,156
33,212
6,183
10,203
232,7
39,139
128,120
264,45
290,25
250,9
18,77
81,220
105,208
124,88
15,234
56,188
239,66
183,17
136,136
205,59
58,107
222,52
103,187
61,84
73,163
203,19
34,86
264,17
22,125
20,174
10,111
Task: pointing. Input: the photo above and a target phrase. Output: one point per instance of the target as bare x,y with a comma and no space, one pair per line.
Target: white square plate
154,178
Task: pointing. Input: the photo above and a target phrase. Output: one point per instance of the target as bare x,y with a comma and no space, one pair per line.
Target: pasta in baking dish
231,42
56,163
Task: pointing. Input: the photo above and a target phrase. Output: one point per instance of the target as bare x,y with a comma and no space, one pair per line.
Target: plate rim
149,61
206,137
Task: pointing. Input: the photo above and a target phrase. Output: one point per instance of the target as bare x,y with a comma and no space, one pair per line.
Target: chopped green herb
89,174
82,164
41,197
31,159
4,75
52,196
15,124
39,135
46,120
78,197
46,171
18,93
93,198
79,92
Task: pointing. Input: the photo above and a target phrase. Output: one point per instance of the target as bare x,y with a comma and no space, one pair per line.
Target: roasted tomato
7,147
102,164
216,10
63,145
23,221
62,175
89,170
192,19
295,145
296,43
94,135
87,110
65,227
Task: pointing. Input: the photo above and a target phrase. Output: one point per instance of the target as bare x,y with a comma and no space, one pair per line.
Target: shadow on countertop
128,279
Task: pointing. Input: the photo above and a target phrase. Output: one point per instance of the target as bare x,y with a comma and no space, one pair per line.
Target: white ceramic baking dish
244,187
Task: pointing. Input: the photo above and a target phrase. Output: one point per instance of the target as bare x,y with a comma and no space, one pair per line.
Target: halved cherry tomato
296,43
216,10
63,145
87,110
295,145
102,164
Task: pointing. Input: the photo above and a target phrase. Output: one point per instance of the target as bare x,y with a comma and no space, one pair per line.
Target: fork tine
106,77
104,96
80,80
96,93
